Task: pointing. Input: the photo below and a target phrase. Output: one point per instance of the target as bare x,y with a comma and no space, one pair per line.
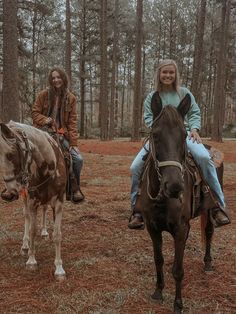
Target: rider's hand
48,121
195,136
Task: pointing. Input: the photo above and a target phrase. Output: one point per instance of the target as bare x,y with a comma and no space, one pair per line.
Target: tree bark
219,96
113,75
137,79
103,74
68,43
10,94
198,51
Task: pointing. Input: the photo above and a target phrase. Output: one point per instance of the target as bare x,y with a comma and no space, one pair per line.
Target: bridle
25,153
158,164
25,159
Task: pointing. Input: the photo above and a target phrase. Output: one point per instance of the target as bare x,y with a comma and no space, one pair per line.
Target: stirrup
136,221
216,222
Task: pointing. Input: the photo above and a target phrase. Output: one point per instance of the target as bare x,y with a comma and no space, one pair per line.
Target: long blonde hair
157,82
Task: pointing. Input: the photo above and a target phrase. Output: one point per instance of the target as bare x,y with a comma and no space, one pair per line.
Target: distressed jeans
200,155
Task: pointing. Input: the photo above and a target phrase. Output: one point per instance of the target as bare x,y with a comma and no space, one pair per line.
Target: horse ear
184,105
6,132
156,105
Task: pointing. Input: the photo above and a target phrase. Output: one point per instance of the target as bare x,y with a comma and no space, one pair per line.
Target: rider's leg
136,220
206,164
77,164
77,161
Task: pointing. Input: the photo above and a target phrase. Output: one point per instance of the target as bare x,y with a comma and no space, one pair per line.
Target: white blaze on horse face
7,166
8,174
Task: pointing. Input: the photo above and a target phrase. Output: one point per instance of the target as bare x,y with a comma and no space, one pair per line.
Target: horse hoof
157,297
178,307
24,251
177,311
31,267
60,278
44,234
208,269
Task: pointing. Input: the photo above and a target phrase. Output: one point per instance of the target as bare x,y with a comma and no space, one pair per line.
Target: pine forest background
109,49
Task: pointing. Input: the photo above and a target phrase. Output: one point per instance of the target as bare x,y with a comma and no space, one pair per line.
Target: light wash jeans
200,155
77,161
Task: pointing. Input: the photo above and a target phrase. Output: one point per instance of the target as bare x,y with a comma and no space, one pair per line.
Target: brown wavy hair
63,76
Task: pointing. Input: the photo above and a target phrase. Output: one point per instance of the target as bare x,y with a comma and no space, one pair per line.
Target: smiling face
57,81
168,76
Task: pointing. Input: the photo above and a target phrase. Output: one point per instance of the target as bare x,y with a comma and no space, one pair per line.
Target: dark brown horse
166,198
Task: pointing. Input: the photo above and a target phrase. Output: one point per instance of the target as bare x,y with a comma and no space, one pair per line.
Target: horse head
11,162
167,145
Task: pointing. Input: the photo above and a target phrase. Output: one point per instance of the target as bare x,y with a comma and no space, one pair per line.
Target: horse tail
203,228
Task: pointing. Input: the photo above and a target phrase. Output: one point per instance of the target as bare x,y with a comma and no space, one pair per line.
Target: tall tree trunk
113,75
124,85
10,97
198,51
68,43
103,72
82,67
171,32
219,96
137,80
34,22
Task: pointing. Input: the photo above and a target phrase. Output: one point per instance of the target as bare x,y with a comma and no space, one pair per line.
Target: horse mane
171,116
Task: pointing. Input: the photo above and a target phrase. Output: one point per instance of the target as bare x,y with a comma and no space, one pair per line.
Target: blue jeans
200,155
77,160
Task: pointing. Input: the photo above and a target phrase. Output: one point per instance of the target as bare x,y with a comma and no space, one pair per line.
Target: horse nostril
173,190
9,196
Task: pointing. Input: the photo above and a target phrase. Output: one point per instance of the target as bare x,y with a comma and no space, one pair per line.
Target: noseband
25,160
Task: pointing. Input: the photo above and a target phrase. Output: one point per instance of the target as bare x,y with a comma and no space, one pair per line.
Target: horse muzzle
173,190
9,196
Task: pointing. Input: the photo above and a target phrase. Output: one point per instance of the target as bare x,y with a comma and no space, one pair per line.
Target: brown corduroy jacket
68,115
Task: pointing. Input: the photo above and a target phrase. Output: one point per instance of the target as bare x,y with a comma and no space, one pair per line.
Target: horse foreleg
159,261
25,244
180,238
209,230
44,232
59,272
32,263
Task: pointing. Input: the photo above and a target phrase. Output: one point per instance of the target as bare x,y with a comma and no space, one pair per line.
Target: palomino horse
33,164
166,193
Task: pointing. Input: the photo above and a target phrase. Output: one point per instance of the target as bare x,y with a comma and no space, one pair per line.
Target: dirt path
110,268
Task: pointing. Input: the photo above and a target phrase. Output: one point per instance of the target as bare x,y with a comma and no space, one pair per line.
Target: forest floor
110,268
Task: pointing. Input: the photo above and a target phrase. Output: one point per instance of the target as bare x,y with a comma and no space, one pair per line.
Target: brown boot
136,221
77,196
219,217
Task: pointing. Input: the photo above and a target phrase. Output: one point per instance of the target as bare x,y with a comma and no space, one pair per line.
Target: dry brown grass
110,268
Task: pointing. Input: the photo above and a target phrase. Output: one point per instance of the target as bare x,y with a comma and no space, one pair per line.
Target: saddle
201,190
71,185
201,193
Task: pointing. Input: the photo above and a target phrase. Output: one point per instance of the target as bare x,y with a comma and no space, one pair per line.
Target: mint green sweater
193,117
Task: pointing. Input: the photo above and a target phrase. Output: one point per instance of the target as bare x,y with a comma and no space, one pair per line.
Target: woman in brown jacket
56,105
